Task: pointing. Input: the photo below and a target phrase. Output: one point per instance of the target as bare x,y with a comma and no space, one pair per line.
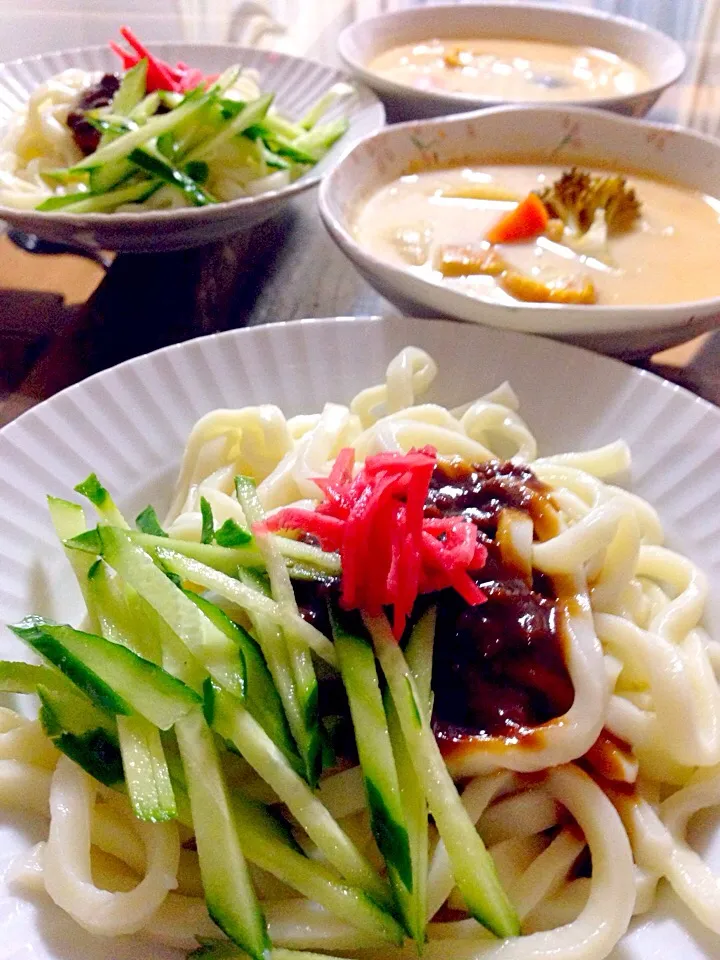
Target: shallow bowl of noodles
296,82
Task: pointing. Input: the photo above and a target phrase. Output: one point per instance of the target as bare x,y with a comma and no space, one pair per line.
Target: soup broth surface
510,69
669,256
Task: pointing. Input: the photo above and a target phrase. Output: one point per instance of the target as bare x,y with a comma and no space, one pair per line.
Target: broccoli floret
577,196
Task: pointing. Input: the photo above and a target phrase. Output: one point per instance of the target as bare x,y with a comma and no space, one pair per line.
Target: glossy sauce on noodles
499,669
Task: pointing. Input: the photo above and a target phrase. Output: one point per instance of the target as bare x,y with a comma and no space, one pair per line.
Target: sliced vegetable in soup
548,234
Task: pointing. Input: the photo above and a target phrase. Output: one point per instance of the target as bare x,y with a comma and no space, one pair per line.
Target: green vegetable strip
264,845
250,114
218,654
357,666
413,905
219,558
233,722
419,655
114,677
221,950
146,108
102,501
156,166
82,732
155,127
100,202
473,868
324,103
268,843
111,601
272,644
243,596
298,654
131,90
261,697
229,893
321,138
16,676
146,773
223,559
68,520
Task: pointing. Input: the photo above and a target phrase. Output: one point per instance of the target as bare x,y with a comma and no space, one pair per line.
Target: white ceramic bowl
296,82
661,58
558,135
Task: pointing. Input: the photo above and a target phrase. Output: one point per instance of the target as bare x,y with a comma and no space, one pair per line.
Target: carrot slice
527,220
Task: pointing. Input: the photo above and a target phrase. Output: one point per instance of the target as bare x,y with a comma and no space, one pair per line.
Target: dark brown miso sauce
100,94
499,668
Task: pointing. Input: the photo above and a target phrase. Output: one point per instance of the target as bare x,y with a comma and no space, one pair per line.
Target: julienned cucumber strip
112,676
82,732
218,654
131,90
101,202
473,868
296,705
299,656
418,653
68,520
250,600
323,104
19,677
267,842
261,697
230,719
156,126
321,138
146,772
222,950
264,845
101,500
112,603
224,559
252,113
156,166
229,893
357,666
272,644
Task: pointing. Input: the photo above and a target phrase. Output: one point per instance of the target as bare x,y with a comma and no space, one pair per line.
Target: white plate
544,134
661,58
129,425
297,84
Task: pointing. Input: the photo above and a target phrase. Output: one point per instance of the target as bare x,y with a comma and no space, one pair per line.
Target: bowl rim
344,238
675,64
223,209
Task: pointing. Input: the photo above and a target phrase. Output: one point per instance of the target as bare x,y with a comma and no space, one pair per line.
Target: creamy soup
435,224
510,69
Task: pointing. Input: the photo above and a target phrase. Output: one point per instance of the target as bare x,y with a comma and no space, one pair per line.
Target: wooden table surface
63,318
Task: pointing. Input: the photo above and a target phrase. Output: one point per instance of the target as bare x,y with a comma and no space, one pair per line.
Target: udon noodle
583,820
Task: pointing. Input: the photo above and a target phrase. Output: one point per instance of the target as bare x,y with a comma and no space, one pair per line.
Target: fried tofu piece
530,290
455,58
470,259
